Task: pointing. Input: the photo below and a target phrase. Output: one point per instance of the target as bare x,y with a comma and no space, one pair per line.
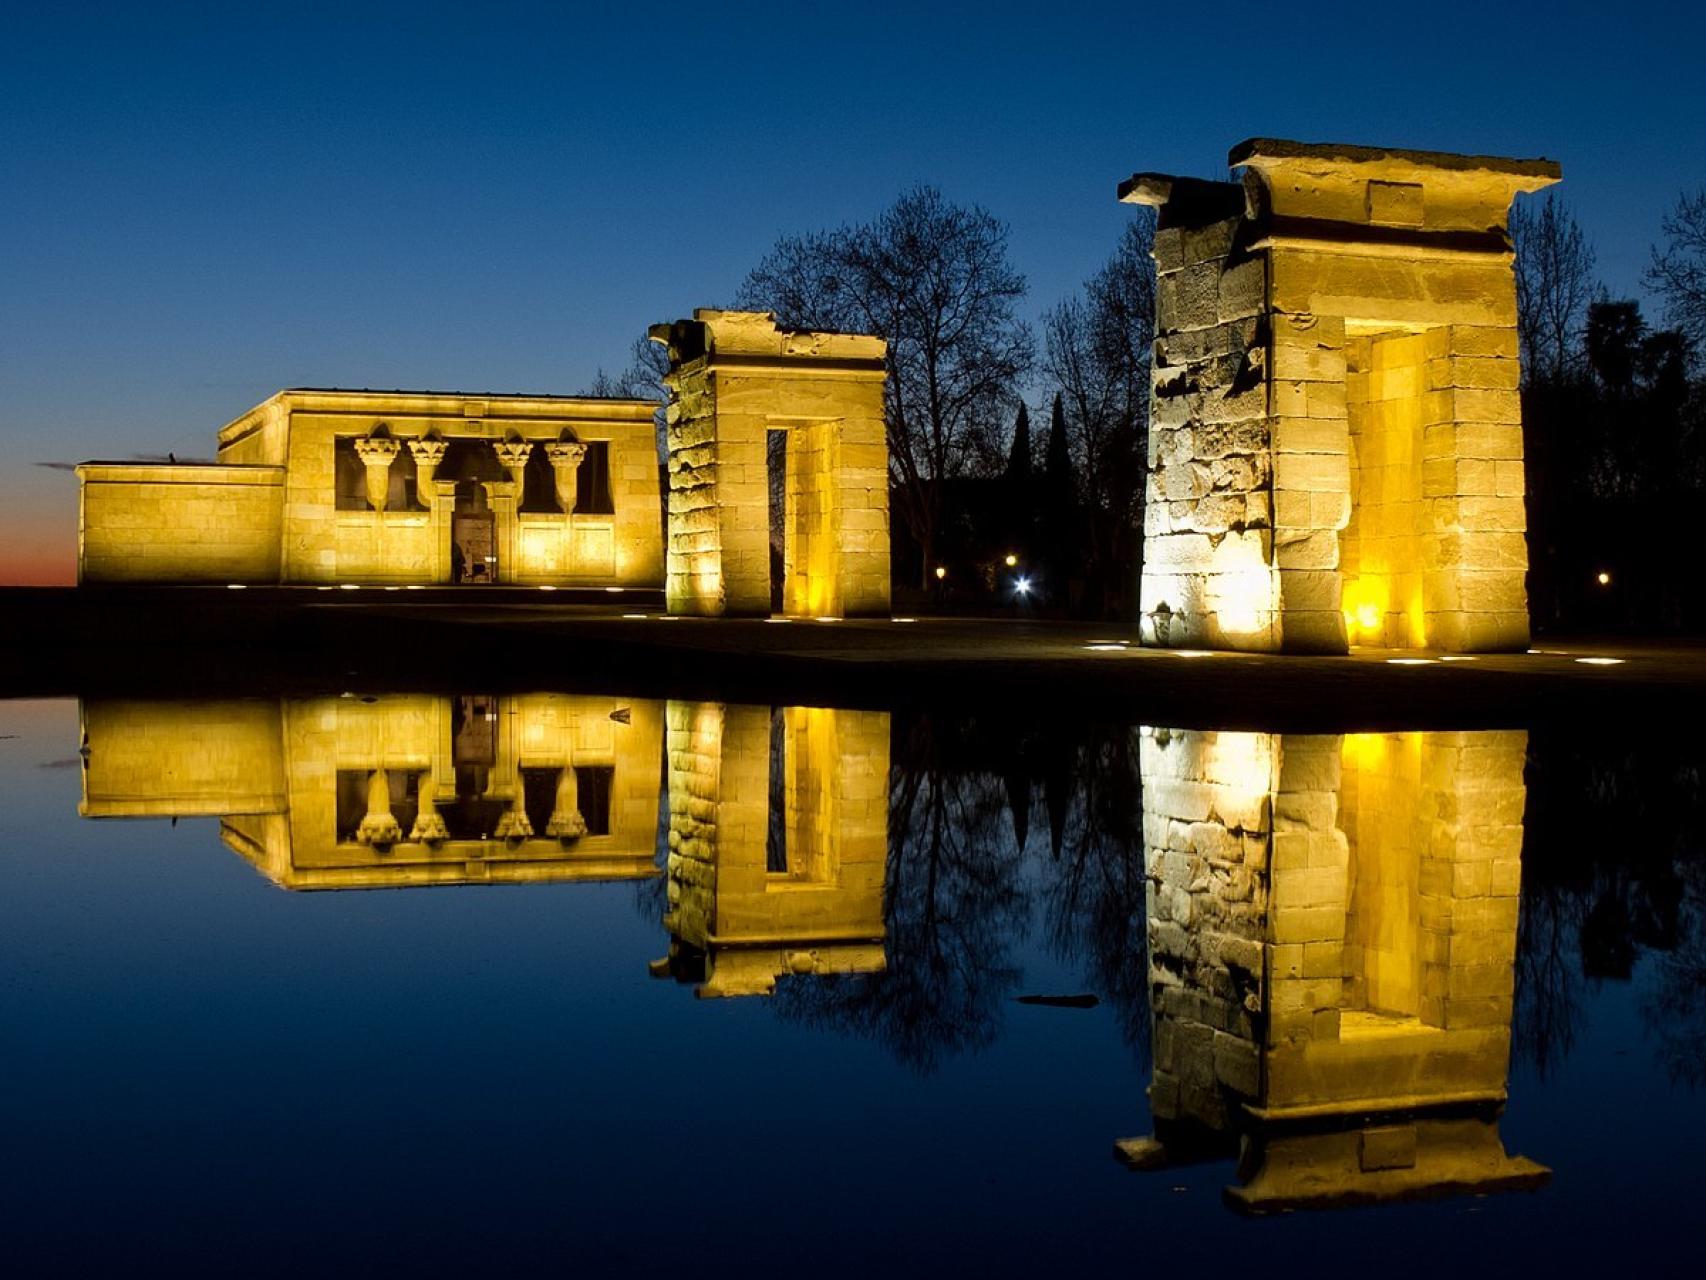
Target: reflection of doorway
473,535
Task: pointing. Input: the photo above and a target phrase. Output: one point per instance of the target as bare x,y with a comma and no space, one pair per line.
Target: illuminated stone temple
736,380
1332,940
352,793
1335,445
778,837
390,487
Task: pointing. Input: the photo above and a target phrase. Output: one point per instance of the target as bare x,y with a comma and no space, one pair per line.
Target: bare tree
932,278
1554,284
1677,272
641,380
1097,354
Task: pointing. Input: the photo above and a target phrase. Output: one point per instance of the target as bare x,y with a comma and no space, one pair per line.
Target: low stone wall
143,522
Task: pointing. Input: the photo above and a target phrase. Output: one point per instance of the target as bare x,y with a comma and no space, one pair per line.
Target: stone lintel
1270,153
753,339
1184,201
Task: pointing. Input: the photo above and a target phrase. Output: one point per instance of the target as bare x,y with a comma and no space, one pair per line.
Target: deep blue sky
201,205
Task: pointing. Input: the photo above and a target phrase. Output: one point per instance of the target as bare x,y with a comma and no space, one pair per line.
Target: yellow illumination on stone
735,377
1332,936
275,508
752,901
1335,401
341,793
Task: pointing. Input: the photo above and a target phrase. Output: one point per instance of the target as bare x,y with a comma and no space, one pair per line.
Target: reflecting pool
554,981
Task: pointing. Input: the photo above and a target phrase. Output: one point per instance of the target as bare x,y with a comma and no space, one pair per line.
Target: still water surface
603,984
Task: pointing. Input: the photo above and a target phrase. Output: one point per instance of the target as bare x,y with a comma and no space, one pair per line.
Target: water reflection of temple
778,832
361,793
1332,934
778,817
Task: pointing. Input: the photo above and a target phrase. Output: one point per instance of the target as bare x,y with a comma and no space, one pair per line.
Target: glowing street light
1012,560
941,572
1022,586
1603,578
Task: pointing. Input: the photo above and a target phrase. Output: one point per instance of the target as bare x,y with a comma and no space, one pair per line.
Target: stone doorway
473,536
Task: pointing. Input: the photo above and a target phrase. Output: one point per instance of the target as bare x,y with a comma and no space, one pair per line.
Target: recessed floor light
1411,662
1601,662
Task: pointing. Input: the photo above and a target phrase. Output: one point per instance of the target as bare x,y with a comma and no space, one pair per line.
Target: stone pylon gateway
1335,446
734,378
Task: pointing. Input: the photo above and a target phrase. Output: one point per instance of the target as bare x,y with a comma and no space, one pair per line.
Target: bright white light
778,619
348,586
1106,648
1458,657
1604,579
829,619
1601,662
1022,586
903,619
641,617
1411,662
1190,653
236,586
547,588
613,589
393,588
322,588
1112,644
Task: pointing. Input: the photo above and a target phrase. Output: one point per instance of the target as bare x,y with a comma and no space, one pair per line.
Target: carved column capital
376,454
379,825
565,453
428,452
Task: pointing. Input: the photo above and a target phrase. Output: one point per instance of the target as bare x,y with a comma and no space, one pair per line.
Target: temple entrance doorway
473,535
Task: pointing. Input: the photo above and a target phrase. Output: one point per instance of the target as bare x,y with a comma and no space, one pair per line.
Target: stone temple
397,487
1335,449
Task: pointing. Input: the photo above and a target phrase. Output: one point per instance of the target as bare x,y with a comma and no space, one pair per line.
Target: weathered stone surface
1353,374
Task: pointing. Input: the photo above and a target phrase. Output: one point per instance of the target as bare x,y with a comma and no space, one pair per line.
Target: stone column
566,456
379,825
504,496
428,453
429,825
376,454
443,506
566,822
513,455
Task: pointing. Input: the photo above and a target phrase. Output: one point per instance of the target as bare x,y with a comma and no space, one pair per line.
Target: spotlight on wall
1603,578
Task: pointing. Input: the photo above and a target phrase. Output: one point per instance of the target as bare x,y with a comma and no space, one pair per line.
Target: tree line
1614,425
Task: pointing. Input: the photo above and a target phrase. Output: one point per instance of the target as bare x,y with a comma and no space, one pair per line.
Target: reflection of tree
1547,1008
1095,904
953,908
1674,1011
1609,871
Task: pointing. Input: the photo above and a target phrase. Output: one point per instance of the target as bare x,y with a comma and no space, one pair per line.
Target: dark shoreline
201,642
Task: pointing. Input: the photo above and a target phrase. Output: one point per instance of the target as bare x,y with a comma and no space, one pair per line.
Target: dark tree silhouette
1554,284
933,279
1677,272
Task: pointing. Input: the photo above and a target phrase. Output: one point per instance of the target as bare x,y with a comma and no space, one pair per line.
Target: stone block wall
1208,576
143,523
1332,920
822,911
181,759
1336,332
735,377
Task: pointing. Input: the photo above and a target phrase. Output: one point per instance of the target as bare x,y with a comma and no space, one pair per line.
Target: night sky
201,205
